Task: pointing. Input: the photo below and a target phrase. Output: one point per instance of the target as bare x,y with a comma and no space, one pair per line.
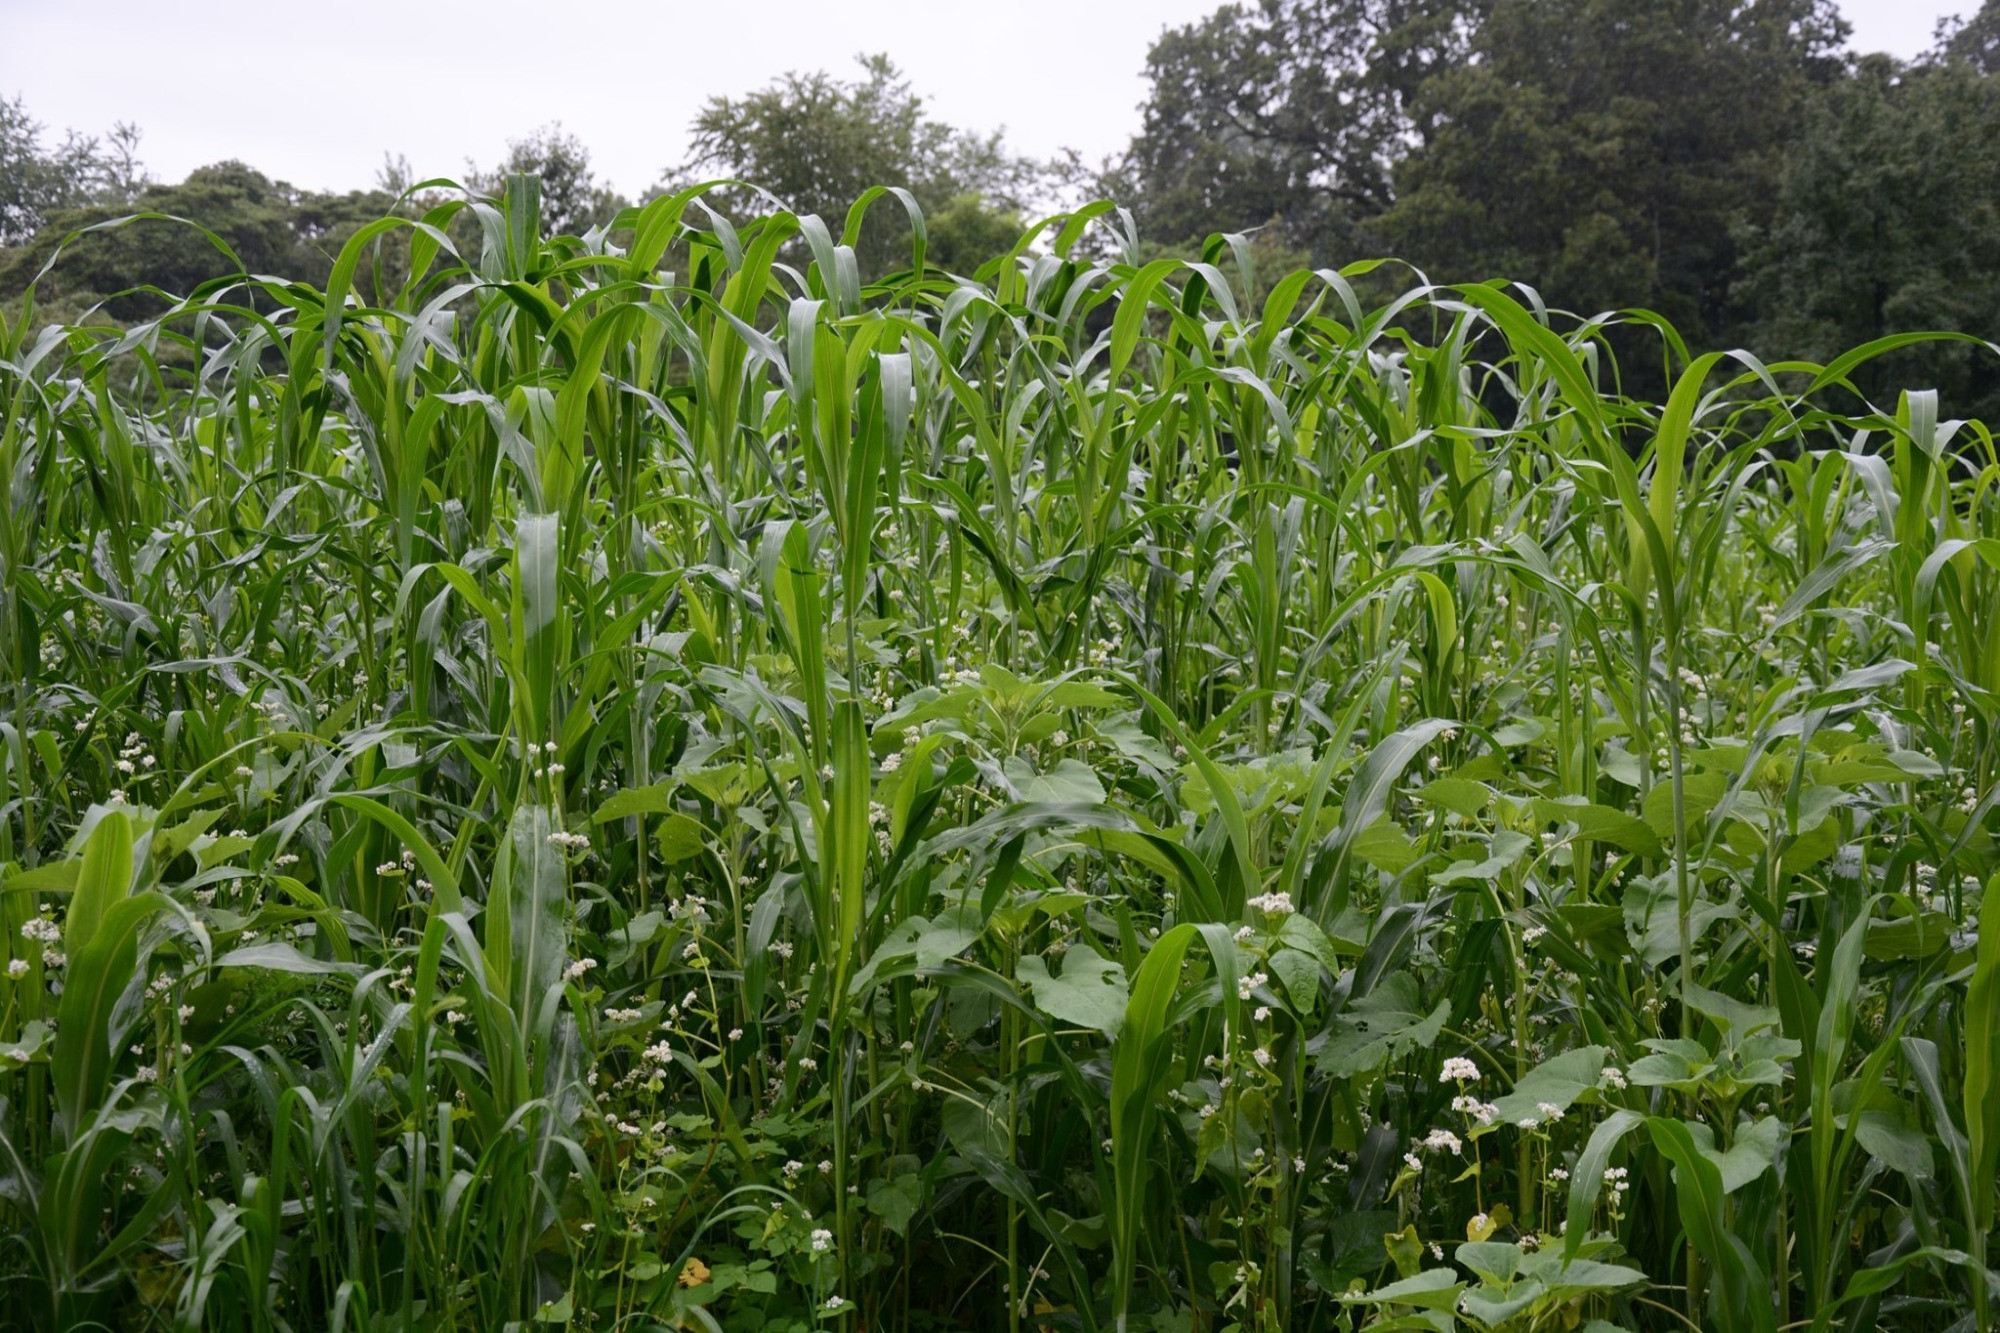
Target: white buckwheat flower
1458,1069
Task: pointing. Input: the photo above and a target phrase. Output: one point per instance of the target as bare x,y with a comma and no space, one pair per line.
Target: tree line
1729,164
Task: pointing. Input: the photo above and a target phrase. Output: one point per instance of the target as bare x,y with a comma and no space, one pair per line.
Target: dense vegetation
1729,163
668,787
1732,164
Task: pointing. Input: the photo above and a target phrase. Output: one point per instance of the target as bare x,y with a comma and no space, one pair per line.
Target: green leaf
1460,795
94,1018
1564,1276
103,881
1137,1074
1737,1019
1090,992
1506,849
1519,732
434,867
1556,1082
1495,1261
1892,1141
1741,1299
657,799
896,1199
28,1048
1380,1026
1068,783
1301,933
1601,823
535,901
1754,1151
1586,1181
679,838
1300,973
540,628
1919,936
1234,824
1494,1308
1670,446
1675,1063
1079,694
1701,792
1368,793
1432,1289
1386,847
277,956
1652,917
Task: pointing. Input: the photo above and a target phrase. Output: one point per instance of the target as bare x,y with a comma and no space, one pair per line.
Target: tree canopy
1730,164
573,199
1727,163
38,180
268,225
817,143
1293,111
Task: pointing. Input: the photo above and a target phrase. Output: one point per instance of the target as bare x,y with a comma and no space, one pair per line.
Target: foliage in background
573,199
1605,151
1974,41
1888,218
1728,164
1288,113
819,143
39,181
134,269
643,785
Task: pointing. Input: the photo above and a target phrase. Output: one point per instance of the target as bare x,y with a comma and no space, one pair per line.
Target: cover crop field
663,786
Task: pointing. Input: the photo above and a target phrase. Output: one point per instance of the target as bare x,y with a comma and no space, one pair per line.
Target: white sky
315,94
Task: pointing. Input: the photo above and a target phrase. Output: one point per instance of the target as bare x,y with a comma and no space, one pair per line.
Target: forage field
660,785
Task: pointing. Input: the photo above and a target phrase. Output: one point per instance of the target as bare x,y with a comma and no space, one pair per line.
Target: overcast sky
315,94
